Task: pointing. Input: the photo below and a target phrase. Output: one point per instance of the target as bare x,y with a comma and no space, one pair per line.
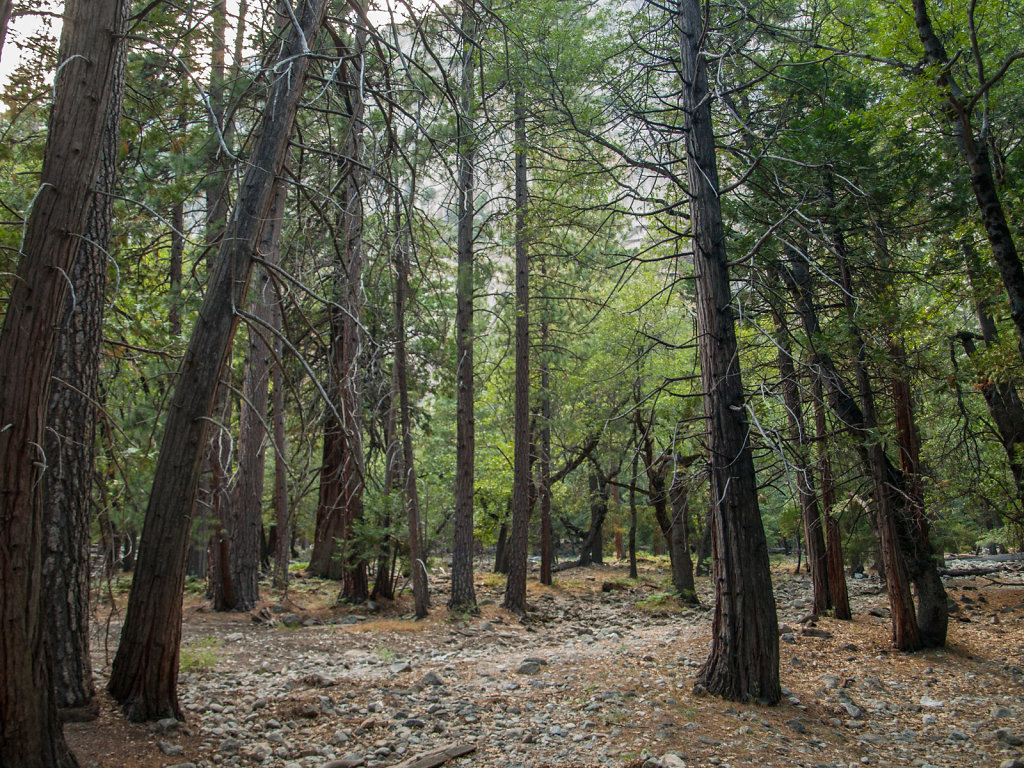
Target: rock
349,761
233,637
171,750
1013,762
1007,736
672,760
431,678
851,709
167,725
230,746
997,712
788,637
928,701
528,668
797,726
812,632
183,765
291,620
399,667
830,681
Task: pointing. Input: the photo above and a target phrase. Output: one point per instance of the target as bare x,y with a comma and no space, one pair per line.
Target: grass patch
199,655
662,603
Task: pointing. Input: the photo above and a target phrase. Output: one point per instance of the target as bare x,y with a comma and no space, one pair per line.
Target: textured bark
837,587
631,546
744,659
420,593
817,557
6,6
463,596
144,673
679,533
1001,397
974,153
71,424
341,494
282,513
515,589
544,462
30,732
592,550
244,513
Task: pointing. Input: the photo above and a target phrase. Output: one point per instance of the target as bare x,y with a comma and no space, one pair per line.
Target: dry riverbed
593,678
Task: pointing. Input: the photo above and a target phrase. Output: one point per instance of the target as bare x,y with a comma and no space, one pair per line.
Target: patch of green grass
199,655
386,655
195,585
661,602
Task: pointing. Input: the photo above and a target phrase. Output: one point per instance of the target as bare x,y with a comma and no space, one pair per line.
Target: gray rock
1013,762
528,668
399,667
230,746
851,709
797,726
431,678
1009,737
672,760
167,725
997,712
171,750
928,701
189,765
349,761
788,637
291,621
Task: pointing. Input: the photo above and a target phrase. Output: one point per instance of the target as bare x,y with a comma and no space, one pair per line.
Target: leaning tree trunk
744,659
515,589
975,156
30,731
71,426
817,556
463,596
144,674
341,494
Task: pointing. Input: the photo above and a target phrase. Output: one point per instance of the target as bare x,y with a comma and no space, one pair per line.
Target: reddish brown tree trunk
144,673
837,587
30,732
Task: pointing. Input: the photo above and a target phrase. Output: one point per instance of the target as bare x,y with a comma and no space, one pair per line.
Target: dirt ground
612,684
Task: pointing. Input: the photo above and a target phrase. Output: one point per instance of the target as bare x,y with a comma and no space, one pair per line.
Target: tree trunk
71,424
837,588
515,589
144,672
463,596
679,535
817,557
245,507
6,6
634,475
975,156
744,659
1001,397
417,559
282,514
30,732
341,497
544,480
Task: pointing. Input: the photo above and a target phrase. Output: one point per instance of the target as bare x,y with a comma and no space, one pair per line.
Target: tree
144,673
744,659
30,732
71,424
463,596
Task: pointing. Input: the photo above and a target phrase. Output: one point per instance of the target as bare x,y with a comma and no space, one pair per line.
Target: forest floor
592,678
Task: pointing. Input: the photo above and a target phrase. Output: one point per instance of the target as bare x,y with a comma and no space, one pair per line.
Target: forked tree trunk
335,554
515,589
144,674
30,732
463,596
71,425
744,659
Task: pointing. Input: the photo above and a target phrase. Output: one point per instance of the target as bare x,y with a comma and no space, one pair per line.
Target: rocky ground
592,678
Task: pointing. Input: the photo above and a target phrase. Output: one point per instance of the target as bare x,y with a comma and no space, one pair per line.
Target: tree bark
974,153
744,659
817,557
837,588
144,673
417,560
71,423
515,589
679,535
30,732
341,497
282,513
463,596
